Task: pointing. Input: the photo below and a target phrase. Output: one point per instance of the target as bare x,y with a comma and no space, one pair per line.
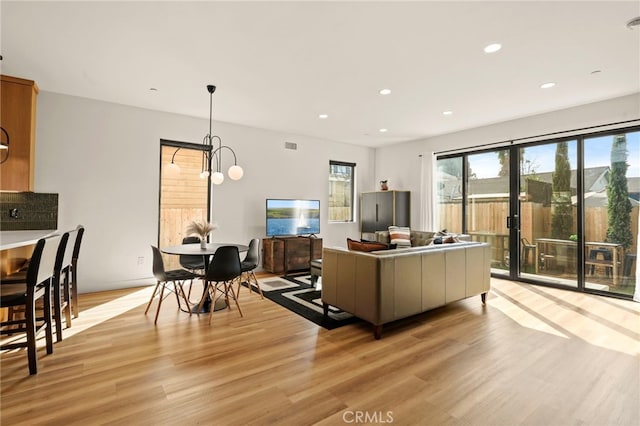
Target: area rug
298,295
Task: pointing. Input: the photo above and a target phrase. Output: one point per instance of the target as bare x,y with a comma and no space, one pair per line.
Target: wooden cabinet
379,210
287,254
18,119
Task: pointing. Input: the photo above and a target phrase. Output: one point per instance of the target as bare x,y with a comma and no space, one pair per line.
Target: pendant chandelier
212,154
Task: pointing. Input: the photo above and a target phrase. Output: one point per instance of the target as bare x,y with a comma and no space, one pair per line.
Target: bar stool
73,284
37,287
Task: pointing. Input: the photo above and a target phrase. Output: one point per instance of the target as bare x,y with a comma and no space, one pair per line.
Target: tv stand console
282,255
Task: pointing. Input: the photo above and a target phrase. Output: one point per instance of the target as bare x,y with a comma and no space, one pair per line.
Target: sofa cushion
400,236
365,245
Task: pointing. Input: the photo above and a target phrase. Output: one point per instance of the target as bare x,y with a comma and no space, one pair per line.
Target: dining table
206,253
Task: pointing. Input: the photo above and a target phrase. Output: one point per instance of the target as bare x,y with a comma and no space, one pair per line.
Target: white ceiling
278,65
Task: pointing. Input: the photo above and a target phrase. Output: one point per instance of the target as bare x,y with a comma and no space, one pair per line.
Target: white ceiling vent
291,145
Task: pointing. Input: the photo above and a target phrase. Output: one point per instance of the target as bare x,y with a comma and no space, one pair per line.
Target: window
341,190
184,196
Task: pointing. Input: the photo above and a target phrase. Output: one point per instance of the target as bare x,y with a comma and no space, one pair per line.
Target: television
292,217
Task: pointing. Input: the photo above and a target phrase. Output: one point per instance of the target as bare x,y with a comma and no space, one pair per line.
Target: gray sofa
383,286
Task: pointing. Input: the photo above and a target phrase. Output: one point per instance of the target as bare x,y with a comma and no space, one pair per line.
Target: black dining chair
248,264
175,277
61,282
36,288
225,268
191,262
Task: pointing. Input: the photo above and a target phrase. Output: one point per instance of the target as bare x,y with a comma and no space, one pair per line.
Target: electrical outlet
140,260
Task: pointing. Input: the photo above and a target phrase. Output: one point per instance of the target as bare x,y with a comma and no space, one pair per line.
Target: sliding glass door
559,212
611,202
487,204
548,206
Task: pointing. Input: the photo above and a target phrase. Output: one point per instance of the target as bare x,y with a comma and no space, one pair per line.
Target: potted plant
201,229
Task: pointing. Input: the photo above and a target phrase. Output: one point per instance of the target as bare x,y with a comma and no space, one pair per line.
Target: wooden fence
535,222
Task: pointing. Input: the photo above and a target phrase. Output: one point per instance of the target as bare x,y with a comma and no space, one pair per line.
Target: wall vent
291,145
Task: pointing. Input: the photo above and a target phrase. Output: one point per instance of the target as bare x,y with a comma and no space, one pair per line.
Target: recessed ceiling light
323,116
447,112
492,48
547,85
383,130
385,91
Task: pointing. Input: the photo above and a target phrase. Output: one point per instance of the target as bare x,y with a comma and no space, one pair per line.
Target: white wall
400,163
103,161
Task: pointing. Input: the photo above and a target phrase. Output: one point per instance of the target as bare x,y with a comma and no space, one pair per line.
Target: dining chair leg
155,290
186,300
67,299
160,301
206,291
74,289
48,319
30,317
57,307
235,297
252,275
213,302
226,294
179,288
176,285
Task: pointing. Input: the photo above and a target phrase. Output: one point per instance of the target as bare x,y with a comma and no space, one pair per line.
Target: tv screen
292,217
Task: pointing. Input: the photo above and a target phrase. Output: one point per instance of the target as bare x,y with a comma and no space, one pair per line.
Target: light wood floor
532,355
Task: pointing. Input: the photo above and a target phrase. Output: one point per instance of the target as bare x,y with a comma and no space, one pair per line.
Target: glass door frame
514,272
515,245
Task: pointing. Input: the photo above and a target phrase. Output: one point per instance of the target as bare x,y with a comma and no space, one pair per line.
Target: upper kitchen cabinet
18,120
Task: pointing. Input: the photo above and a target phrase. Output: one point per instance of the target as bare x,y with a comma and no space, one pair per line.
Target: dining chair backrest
62,251
43,261
252,259
191,261
225,265
158,265
67,248
78,241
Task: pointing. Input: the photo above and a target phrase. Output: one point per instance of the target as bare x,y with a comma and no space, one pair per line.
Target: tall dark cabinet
379,210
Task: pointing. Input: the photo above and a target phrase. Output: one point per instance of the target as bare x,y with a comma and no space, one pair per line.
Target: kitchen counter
13,239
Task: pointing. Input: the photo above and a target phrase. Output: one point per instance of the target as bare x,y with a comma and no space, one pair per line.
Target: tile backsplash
23,211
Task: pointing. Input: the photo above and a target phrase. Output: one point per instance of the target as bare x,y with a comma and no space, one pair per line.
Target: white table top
13,239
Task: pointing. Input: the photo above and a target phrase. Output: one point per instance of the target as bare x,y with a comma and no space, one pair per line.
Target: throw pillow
400,235
365,246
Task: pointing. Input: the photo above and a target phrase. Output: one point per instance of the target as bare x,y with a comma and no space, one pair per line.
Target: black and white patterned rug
298,295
